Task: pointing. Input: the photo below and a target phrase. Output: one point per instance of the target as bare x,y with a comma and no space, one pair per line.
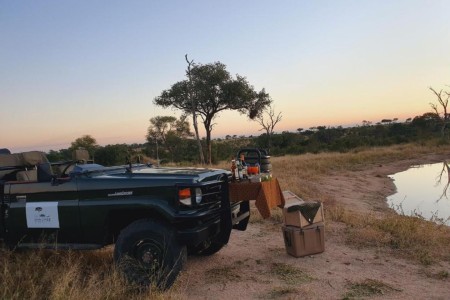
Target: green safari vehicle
154,216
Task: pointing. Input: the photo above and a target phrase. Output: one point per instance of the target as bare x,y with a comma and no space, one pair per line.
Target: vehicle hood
140,172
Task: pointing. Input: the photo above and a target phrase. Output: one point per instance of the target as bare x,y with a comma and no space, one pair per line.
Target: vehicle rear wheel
147,252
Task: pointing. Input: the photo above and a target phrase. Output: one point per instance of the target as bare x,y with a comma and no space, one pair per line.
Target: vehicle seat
9,163
28,175
81,156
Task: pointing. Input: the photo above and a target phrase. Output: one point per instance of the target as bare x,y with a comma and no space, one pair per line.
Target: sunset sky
70,68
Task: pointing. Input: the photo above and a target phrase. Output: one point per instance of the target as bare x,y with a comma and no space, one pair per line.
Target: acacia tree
85,142
210,90
168,131
268,120
442,97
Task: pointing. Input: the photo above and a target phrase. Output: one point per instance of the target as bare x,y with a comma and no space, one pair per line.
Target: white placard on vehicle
42,215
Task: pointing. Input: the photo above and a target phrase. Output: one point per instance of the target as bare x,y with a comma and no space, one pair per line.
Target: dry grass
368,288
290,274
222,274
281,291
296,172
40,274
415,238
408,237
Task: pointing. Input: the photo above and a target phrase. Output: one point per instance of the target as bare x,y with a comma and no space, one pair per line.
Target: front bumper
213,223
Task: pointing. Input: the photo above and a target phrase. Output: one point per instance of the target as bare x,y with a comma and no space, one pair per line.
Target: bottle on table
233,170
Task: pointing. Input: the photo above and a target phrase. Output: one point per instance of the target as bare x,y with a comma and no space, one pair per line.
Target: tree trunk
197,136
194,114
208,128
208,146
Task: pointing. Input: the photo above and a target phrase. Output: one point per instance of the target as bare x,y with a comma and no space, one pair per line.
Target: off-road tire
265,160
266,167
147,253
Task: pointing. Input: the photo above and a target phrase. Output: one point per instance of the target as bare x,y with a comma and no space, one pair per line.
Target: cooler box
304,241
304,213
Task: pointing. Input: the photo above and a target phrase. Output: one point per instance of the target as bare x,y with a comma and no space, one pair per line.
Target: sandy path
247,267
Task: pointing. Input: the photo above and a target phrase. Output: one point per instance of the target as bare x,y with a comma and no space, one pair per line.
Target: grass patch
299,173
289,274
255,216
310,166
40,274
440,275
368,288
281,291
45,274
409,237
222,274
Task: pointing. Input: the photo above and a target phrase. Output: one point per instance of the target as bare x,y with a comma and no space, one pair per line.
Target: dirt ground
255,265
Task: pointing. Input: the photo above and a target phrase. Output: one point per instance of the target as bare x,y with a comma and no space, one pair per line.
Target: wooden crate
304,241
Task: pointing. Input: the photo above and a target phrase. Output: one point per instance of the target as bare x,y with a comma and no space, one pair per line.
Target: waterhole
423,191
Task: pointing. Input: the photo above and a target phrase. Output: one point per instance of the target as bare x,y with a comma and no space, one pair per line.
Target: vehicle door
44,212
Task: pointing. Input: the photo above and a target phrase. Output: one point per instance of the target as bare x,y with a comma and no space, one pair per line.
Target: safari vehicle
154,216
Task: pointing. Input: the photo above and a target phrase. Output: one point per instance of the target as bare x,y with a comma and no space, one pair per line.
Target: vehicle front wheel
147,252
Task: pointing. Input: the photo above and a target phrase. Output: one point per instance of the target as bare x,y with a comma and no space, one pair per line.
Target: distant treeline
313,140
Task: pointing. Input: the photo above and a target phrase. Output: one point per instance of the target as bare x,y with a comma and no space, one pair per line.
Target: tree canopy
211,89
443,97
168,132
268,120
85,142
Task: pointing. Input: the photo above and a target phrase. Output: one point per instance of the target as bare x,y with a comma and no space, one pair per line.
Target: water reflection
422,191
445,168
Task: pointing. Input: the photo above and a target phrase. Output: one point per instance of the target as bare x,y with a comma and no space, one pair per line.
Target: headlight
198,195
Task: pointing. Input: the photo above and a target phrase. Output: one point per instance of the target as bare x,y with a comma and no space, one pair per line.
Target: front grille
211,194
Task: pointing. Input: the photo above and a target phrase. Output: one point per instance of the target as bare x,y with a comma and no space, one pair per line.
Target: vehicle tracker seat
27,175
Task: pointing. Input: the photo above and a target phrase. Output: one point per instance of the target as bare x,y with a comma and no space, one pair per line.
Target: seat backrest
21,166
33,158
8,165
80,155
10,160
28,175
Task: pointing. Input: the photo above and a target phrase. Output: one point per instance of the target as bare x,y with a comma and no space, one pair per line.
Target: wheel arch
119,219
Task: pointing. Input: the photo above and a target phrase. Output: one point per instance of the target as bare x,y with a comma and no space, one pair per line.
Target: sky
71,68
